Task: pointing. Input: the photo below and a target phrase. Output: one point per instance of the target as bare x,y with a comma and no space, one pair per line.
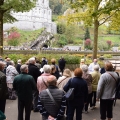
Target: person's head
67,73
32,60
52,80
53,68
19,61
47,69
11,63
108,66
95,61
78,72
96,67
2,65
24,68
84,68
53,61
8,59
82,61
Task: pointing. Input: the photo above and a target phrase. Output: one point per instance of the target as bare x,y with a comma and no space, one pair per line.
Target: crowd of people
41,87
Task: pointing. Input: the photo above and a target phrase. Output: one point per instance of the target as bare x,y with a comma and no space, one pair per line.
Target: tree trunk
95,44
1,33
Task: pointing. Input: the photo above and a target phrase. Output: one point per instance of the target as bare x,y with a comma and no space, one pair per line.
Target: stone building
36,18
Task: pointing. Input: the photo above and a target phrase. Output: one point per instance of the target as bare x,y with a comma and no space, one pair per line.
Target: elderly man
91,66
52,110
24,84
42,80
95,78
3,88
34,71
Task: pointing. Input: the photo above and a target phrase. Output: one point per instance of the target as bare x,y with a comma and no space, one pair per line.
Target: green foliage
61,41
70,33
25,36
13,42
61,28
87,34
107,56
72,59
69,58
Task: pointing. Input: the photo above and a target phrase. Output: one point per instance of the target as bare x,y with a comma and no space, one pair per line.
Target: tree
87,34
6,7
96,12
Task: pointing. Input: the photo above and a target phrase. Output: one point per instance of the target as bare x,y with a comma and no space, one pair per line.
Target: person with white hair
18,66
91,66
33,70
95,76
11,72
42,80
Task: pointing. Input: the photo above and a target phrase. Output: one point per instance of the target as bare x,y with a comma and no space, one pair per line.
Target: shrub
107,56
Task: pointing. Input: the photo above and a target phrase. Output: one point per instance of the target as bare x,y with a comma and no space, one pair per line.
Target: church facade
36,18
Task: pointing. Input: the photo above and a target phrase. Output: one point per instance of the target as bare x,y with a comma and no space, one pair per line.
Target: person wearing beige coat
62,81
95,78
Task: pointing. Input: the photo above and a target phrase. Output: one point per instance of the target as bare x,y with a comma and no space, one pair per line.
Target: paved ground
11,112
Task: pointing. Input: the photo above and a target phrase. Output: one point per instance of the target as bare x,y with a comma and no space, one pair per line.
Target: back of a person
57,95
95,77
62,81
88,78
24,86
79,85
34,71
109,85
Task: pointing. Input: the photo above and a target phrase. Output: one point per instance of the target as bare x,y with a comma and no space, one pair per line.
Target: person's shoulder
2,74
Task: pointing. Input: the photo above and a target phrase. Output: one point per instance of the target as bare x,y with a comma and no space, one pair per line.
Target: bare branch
105,19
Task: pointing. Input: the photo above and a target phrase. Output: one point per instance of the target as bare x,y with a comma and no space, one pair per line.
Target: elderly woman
86,76
11,72
42,80
80,94
62,81
106,91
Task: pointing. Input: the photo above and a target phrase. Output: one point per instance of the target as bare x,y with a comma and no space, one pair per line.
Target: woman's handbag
70,93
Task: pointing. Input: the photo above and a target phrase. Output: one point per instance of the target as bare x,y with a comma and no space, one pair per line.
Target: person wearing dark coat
44,62
49,109
80,95
3,88
34,71
57,74
24,85
18,66
61,64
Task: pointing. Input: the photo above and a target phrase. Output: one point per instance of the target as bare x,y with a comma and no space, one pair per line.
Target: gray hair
32,60
84,68
11,63
19,61
23,68
96,67
47,68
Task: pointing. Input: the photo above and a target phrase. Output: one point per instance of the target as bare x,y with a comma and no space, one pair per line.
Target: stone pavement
11,112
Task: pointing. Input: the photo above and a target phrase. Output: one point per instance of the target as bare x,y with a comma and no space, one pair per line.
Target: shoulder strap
62,80
51,97
113,77
44,82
